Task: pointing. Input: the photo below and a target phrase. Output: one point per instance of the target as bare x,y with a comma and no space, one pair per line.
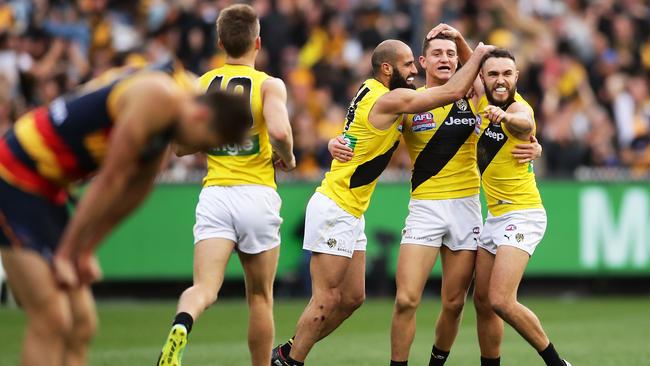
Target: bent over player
120,131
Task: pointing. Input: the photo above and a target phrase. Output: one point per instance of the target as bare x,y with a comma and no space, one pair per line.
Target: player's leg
414,265
84,325
210,260
457,273
49,320
327,274
489,325
259,273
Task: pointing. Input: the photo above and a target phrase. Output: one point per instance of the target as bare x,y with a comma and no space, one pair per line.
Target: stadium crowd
584,64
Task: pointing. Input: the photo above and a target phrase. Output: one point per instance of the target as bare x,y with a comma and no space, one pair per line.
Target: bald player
334,223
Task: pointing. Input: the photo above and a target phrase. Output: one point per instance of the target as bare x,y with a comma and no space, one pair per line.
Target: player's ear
423,61
258,43
220,44
387,68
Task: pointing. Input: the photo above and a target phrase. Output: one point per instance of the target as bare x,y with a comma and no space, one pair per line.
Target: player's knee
454,306
206,295
84,328
500,305
352,302
482,302
329,299
406,302
52,321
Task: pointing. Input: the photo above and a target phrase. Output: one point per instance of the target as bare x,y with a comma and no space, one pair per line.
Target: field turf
591,331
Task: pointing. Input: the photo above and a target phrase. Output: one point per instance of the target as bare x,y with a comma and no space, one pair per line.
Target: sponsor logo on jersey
249,147
511,227
471,121
494,135
476,230
423,122
519,237
331,242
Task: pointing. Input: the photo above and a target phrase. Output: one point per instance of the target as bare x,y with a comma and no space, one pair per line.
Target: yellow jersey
508,185
351,184
249,162
442,146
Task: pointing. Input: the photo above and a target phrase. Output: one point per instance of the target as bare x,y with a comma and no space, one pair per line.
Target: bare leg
210,260
259,272
49,319
413,268
457,273
327,275
488,324
84,318
508,270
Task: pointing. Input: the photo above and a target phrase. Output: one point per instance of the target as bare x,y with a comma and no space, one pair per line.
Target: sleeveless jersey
250,162
508,185
442,146
53,146
351,184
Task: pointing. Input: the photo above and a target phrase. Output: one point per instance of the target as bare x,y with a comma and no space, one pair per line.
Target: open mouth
444,68
410,79
501,90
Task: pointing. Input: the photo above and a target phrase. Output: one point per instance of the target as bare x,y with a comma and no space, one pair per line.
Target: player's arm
404,100
339,149
274,100
123,180
518,119
527,152
182,150
463,48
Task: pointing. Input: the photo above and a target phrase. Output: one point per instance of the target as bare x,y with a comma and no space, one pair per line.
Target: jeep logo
462,121
495,135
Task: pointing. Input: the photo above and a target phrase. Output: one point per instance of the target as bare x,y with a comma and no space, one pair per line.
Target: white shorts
522,229
454,223
331,230
249,215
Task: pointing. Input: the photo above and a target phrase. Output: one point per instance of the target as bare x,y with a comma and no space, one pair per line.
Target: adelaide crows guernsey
442,146
350,184
508,185
249,162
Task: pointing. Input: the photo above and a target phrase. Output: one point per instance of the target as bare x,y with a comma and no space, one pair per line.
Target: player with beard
334,224
516,219
444,211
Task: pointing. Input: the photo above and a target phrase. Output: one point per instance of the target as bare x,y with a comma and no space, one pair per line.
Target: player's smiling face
404,70
441,59
499,76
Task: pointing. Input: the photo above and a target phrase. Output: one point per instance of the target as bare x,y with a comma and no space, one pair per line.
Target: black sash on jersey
444,144
367,172
489,144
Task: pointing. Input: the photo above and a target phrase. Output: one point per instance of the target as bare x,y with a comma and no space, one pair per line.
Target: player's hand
483,49
527,152
339,149
443,29
64,271
88,269
494,114
285,166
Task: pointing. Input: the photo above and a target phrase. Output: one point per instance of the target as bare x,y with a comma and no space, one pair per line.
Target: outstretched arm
518,119
403,100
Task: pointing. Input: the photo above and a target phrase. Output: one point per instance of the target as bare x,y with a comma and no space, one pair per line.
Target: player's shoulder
521,101
155,86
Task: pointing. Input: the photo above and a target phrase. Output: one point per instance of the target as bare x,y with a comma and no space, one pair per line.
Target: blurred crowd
584,64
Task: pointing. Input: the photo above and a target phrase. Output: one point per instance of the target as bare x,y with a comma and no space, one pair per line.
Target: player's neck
432,82
245,60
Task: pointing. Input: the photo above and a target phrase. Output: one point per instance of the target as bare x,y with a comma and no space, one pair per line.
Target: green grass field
594,331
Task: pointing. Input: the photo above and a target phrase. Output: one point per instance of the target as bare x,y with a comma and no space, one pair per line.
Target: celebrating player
239,207
334,224
516,219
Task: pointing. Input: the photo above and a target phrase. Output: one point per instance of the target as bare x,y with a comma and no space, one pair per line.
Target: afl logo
461,104
423,122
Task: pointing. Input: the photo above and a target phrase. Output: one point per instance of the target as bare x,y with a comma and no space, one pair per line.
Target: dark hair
498,53
231,115
237,28
427,42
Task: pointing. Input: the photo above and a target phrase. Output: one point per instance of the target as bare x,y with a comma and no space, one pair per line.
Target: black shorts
30,221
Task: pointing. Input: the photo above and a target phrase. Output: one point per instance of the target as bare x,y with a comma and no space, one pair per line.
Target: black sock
184,319
550,356
293,362
398,363
490,361
438,357
285,349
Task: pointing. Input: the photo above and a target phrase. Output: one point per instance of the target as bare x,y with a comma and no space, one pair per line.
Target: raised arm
274,99
403,100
